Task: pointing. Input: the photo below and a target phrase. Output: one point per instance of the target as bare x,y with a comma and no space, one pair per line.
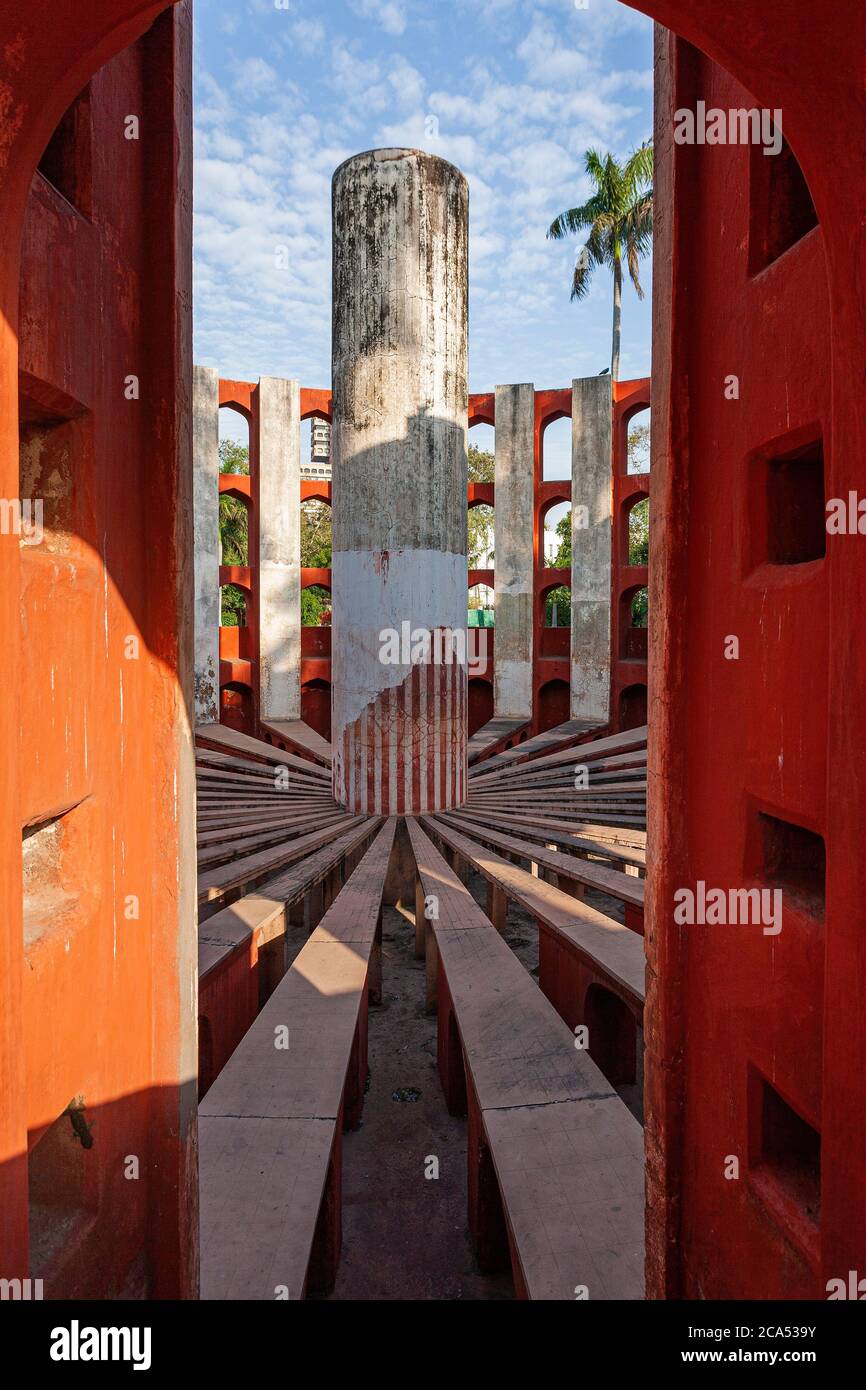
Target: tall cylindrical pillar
398,450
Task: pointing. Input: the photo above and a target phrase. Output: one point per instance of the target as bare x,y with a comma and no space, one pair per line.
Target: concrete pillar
206,565
398,450
279,548
512,573
591,538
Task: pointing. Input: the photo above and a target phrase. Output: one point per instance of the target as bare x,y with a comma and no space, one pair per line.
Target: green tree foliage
316,550
233,606
234,457
234,533
481,465
638,533
481,518
639,609
233,519
559,599
315,607
562,558
639,449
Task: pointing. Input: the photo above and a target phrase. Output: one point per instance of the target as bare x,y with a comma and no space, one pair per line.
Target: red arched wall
746,753
95,1002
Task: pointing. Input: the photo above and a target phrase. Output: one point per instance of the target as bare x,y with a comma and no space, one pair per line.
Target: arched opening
556,450
481,450
316,551
315,449
480,605
557,606
638,438
612,1035
480,704
234,457
556,536
315,606
637,531
316,706
632,707
316,542
481,536
236,707
233,606
554,704
633,618
234,440
633,624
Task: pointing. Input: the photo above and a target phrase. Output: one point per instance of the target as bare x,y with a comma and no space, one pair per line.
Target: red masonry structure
98,1188
755,1075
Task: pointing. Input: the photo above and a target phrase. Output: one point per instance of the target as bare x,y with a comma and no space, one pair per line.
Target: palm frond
568,222
633,258
637,223
638,170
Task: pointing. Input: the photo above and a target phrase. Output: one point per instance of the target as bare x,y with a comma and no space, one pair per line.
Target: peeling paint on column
398,451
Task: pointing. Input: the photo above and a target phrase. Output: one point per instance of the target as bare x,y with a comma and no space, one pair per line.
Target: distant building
551,546
319,467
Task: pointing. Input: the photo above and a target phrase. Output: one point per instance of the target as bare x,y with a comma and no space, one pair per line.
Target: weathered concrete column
591,531
279,548
512,572
398,449
206,525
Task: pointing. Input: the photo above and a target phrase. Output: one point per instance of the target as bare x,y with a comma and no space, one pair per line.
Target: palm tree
619,216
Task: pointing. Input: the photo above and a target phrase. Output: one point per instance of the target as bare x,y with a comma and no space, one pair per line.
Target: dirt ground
404,1234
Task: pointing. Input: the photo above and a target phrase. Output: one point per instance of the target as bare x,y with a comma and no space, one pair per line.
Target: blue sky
512,91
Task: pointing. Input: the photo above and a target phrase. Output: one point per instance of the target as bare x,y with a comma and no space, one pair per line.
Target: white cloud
308,34
389,13
407,82
521,98
548,60
254,76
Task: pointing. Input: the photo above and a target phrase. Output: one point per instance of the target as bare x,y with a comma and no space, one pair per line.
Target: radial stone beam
399,482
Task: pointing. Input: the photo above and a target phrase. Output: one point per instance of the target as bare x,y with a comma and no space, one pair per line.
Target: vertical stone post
591,539
399,482
206,565
512,573
279,549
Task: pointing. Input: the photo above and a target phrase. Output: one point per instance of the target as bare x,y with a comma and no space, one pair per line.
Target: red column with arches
316,641
756,761
628,641
239,646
